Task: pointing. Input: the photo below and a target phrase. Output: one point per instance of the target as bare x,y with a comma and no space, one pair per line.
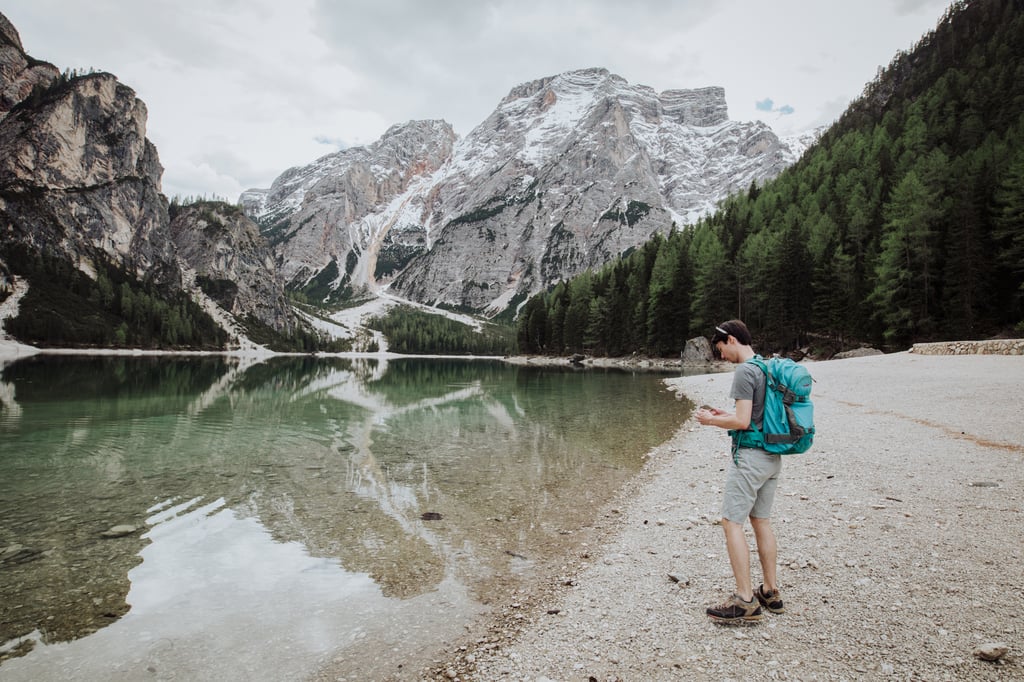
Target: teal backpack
788,425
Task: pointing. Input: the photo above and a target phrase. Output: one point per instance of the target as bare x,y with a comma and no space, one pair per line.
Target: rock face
230,261
568,173
79,177
18,73
345,214
80,181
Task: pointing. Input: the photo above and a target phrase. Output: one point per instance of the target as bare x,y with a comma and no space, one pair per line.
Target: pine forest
903,224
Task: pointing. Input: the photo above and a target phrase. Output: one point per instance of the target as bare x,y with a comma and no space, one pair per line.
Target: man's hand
709,416
706,414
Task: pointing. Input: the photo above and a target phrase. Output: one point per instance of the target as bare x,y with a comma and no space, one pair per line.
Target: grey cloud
181,38
456,60
830,111
904,7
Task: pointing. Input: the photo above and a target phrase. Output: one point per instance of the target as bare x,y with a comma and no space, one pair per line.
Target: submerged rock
119,531
18,554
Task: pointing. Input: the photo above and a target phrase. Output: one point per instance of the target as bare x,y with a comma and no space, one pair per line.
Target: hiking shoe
735,611
770,600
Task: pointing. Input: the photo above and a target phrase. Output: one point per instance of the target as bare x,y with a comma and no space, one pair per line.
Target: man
750,484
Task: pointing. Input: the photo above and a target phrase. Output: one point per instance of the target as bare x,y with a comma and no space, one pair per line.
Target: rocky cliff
223,254
78,176
566,174
80,183
19,73
332,215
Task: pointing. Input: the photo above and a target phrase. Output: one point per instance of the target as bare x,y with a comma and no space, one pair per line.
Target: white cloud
240,90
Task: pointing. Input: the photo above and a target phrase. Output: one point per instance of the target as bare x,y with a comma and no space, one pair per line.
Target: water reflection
313,500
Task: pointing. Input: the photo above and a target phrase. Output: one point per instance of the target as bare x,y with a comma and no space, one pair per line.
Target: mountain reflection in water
296,512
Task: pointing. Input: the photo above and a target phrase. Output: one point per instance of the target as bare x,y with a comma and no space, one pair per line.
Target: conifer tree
1009,231
712,295
904,294
663,329
578,312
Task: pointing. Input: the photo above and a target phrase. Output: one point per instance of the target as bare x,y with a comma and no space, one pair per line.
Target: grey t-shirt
748,383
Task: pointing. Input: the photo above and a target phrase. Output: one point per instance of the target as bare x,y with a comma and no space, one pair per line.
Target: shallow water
294,513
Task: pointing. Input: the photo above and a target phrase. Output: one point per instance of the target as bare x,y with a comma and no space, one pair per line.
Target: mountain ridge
568,172
87,226
671,155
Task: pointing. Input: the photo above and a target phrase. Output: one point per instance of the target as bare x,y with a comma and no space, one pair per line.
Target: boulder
697,350
857,353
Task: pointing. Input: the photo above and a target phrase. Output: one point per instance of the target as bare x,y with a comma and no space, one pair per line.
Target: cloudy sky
240,90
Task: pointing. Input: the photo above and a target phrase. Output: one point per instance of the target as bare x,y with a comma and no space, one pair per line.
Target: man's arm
723,420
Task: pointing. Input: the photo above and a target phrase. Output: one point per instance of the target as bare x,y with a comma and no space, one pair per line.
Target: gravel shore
900,545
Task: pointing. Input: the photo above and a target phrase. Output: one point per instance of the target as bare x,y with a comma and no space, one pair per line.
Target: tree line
412,331
904,223
66,307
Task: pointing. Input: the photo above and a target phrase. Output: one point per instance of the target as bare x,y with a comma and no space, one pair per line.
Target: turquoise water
299,513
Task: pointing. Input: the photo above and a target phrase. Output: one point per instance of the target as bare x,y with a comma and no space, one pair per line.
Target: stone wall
991,347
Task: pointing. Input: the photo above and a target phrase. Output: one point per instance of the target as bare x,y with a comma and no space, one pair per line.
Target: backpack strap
751,437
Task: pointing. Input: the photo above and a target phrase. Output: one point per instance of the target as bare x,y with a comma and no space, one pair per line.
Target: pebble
991,651
679,578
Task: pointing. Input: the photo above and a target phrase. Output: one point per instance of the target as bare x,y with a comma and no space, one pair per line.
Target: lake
212,518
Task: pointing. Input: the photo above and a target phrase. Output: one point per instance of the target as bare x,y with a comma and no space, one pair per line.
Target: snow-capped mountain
566,174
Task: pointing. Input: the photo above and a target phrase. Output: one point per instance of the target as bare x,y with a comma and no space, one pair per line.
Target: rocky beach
900,546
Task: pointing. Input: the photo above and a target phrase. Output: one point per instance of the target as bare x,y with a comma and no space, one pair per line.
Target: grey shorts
750,485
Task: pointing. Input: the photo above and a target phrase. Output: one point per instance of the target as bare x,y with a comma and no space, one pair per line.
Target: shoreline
900,545
11,351
900,539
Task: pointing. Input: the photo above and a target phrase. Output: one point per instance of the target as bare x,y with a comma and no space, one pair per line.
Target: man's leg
739,558
767,551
